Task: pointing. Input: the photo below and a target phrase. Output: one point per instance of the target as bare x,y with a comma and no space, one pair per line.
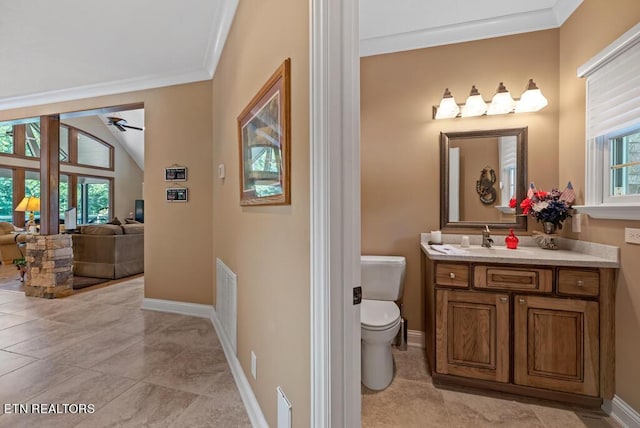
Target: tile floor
143,368
138,368
412,401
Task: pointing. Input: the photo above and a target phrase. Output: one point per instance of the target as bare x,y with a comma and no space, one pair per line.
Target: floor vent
227,302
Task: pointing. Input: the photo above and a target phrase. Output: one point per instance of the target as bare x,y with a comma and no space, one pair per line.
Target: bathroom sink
493,250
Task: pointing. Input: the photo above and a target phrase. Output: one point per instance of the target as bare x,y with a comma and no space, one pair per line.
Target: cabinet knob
580,283
521,300
452,275
504,299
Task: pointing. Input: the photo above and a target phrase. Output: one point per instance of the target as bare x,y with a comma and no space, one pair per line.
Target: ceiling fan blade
133,127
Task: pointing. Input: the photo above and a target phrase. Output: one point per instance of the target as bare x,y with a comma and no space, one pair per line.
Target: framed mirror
483,178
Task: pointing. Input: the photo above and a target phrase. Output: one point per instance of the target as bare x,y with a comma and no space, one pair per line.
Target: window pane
64,144
63,189
625,165
93,200
6,138
32,139
92,152
6,195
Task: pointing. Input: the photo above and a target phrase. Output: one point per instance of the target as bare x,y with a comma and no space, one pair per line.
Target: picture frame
175,173
177,194
264,141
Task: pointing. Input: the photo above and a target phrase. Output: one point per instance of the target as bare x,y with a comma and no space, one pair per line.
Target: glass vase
549,227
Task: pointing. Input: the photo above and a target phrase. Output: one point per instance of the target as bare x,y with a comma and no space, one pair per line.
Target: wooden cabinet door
556,344
472,334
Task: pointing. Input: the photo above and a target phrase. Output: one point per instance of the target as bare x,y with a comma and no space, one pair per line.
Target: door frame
335,213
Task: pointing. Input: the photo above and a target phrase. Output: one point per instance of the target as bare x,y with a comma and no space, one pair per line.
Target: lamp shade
532,99
29,203
475,105
448,107
502,102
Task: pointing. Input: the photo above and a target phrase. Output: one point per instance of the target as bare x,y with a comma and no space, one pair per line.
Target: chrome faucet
486,238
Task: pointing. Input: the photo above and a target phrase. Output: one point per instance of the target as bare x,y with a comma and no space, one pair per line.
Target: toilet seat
379,314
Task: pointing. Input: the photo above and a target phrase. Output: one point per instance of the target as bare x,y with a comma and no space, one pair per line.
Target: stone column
50,261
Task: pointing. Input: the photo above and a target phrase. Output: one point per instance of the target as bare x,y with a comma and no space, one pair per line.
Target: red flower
526,206
512,203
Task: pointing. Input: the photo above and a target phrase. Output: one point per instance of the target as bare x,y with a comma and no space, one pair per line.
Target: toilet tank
382,277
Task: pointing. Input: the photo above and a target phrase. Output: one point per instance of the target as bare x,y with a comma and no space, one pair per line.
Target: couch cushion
5,227
115,221
133,229
101,229
131,221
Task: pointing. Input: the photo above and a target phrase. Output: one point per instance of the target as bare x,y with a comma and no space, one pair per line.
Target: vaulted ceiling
68,49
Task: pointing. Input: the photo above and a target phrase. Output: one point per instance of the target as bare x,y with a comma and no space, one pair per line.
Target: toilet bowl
382,285
379,325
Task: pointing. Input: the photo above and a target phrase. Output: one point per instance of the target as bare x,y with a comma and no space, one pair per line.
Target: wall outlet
631,236
254,365
576,223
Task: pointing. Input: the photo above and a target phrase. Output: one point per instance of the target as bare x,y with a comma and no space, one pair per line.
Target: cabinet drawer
452,275
578,282
509,278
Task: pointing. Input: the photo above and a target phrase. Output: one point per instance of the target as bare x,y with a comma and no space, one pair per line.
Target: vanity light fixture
448,107
475,105
532,99
501,103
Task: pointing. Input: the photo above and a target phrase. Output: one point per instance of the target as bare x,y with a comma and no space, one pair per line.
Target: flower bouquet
549,208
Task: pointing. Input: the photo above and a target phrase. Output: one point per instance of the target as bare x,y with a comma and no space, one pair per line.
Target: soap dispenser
511,240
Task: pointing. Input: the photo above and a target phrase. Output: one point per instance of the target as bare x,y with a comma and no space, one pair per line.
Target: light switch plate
631,236
221,170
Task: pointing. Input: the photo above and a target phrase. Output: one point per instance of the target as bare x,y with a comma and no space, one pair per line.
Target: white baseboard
415,338
248,397
621,412
174,307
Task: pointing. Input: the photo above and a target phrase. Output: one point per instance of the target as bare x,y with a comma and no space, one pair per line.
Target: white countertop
572,253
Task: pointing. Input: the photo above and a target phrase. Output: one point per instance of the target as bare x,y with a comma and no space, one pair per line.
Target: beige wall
268,247
593,26
178,265
128,177
400,140
474,157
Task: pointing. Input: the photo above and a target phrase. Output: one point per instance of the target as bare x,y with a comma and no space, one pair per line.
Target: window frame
599,203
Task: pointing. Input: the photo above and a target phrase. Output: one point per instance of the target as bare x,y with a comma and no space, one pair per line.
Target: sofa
108,250
8,248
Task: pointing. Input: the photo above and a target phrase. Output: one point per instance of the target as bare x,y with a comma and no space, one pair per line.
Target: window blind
613,94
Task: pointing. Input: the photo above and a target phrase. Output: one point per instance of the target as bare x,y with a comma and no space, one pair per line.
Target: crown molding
218,36
101,89
542,19
621,44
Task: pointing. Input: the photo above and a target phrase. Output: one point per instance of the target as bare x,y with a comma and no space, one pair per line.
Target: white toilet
382,285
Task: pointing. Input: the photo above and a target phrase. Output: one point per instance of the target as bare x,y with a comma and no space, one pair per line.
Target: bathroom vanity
528,321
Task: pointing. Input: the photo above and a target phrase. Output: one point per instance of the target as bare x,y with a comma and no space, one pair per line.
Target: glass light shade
475,105
531,100
448,107
502,102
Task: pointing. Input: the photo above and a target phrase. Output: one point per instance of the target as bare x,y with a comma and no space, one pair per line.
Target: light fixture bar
502,103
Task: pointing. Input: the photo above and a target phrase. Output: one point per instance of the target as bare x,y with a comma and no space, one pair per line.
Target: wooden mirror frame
520,222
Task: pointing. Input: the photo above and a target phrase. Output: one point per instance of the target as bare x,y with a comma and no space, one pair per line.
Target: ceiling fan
121,124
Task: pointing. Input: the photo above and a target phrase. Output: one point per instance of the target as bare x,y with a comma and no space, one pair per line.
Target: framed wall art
177,194
175,173
264,139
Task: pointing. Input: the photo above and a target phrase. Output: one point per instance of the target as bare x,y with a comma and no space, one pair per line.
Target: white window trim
596,205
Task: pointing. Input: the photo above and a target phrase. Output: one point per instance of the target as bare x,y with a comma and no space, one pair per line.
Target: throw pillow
115,221
131,221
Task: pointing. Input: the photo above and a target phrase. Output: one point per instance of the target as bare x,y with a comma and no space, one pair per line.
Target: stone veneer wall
50,261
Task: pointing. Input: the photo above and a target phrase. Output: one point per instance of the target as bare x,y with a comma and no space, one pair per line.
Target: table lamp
31,204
